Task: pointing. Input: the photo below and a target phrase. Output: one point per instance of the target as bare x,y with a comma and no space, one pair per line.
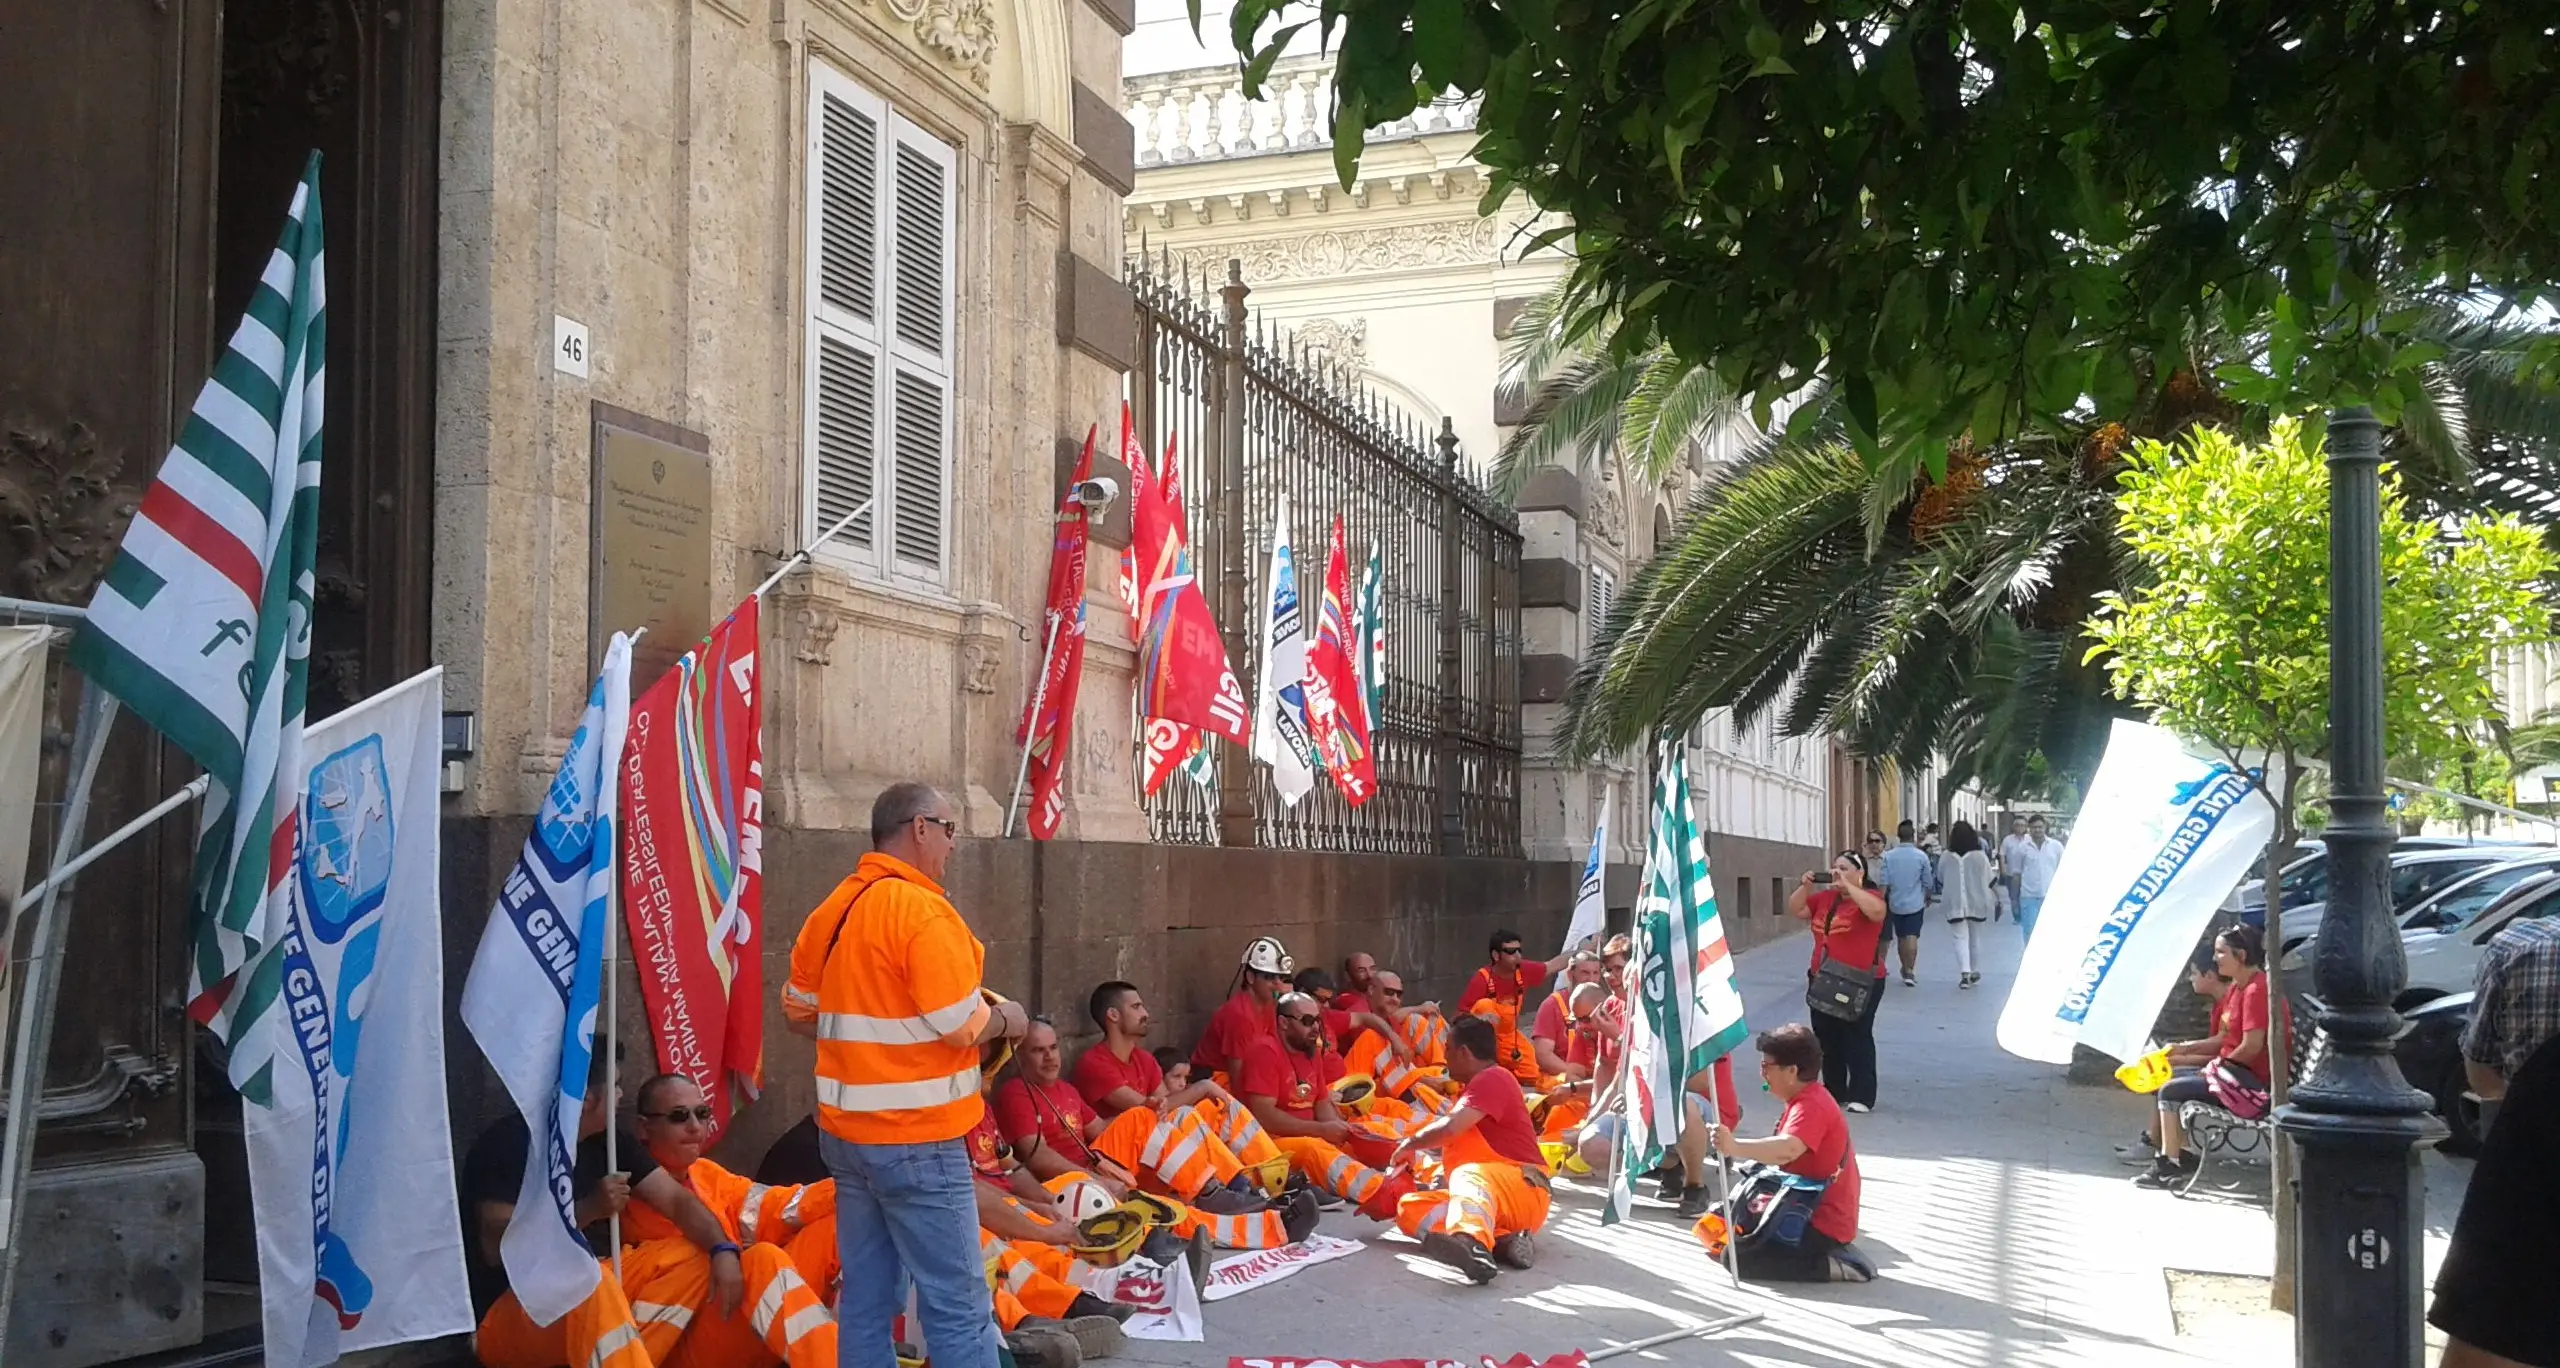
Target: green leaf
1350,128
1440,33
1676,141
1899,79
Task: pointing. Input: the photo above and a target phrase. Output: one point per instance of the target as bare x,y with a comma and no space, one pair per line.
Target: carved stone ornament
1340,347
813,631
1359,251
61,510
979,661
963,33
1609,510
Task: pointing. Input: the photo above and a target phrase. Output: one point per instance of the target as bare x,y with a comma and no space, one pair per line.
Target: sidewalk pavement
2005,1230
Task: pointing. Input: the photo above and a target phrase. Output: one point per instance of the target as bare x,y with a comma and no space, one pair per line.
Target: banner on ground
1048,717
1575,1359
1280,736
202,623
1590,910
692,775
1687,1011
2167,835
1183,673
1263,1267
532,999
350,1162
1163,1302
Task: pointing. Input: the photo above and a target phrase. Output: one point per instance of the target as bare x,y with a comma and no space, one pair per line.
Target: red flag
1183,675
1335,705
692,861
1168,743
1047,731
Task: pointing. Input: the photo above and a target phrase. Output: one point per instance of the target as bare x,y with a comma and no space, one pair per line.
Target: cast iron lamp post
2359,1245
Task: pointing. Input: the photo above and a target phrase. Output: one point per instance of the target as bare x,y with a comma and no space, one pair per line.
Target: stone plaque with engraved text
652,540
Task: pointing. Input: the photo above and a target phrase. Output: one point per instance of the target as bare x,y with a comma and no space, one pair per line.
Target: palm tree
1922,618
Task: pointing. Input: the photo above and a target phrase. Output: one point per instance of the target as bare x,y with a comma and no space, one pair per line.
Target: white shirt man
2038,857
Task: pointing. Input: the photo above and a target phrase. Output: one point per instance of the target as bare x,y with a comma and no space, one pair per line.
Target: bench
2213,1130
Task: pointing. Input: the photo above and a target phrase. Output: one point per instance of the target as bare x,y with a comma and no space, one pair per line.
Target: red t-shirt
1350,1000
1550,1023
1053,1111
1506,1129
1814,1118
2246,1011
1099,1073
1512,989
1843,931
1238,1021
986,1149
1728,1102
1337,1027
1288,1077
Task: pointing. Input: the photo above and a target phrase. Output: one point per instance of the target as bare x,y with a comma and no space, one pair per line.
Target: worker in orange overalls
1567,1041
1496,993
1119,1073
1414,1076
787,1318
635,1321
1288,1083
1172,1153
1367,988
1497,1195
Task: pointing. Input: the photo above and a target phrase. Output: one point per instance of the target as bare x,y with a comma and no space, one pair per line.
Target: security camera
1094,495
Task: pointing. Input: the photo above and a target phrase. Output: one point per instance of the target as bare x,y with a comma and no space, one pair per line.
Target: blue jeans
2027,910
907,1212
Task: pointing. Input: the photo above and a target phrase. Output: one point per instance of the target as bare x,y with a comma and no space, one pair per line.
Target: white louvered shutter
921,212
844,366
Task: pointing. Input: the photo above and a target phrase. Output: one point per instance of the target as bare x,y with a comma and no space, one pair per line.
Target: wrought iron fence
1253,418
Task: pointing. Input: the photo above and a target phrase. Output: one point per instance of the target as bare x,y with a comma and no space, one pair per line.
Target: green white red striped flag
1687,1012
1369,640
202,625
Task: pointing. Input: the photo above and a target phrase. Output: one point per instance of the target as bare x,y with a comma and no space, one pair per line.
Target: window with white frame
1600,589
883,224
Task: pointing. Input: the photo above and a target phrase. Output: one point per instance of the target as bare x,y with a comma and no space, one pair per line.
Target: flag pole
1030,733
1724,1171
792,561
612,1025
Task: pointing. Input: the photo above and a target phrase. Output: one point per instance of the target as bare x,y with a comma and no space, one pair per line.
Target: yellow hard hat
1354,1092
1107,1240
996,1053
1154,1210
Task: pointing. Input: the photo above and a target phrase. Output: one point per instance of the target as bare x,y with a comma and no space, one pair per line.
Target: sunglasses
949,827
1306,1020
1508,950
677,1116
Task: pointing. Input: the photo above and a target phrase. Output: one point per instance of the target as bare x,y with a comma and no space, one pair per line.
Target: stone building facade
1401,284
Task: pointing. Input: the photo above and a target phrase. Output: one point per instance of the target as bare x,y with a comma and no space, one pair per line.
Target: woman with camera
1846,982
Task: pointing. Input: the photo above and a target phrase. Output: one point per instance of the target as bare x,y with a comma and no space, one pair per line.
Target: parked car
2444,961
2430,1056
2306,875
2446,906
2415,875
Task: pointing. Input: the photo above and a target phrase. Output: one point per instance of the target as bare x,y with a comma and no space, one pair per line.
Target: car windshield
2541,901
2461,902
2417,879
2306,883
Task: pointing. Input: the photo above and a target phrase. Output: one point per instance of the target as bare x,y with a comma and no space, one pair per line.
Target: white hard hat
1265,956
1082,1200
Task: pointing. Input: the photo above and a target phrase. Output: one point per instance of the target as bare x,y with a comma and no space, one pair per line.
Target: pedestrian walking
2012,862
1906,876
1964,872
1846,982
887,978
2493,1295
2038,858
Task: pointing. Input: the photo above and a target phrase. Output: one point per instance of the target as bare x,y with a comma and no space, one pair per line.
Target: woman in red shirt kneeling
1812,1142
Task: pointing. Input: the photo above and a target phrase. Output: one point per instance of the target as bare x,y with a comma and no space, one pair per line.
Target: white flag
350,1167
531,1000
1281,738
2168,835
21,729
1590,917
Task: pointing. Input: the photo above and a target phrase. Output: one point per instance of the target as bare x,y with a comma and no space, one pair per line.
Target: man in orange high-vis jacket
1497,992
1172,1153
886,977
1288,1083
1423,1032
634,1321
786,1317
1497,1177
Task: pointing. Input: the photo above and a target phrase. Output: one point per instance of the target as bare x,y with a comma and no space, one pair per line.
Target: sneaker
2165,1174
1909,979
1094,1336
1298,1216
1161,1247
1196,1249
1087,1304
1220,1200
1694,1202
1850,1266
1859,1108
1674,1186
1964,980
1044,1344
2140,1152
1516,1250
1460,1253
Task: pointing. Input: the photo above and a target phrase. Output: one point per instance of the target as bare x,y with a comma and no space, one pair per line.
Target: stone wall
1060,917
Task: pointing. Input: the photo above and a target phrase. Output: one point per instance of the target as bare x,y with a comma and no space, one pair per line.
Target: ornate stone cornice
1335,252
959,34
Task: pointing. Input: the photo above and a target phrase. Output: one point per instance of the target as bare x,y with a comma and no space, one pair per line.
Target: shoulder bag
1838,989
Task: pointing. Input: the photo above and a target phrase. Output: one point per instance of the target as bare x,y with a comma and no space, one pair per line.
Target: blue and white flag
2163,837
532,999
350,1169
1281,737
1590,916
